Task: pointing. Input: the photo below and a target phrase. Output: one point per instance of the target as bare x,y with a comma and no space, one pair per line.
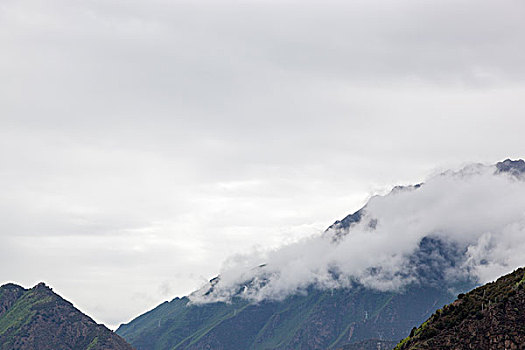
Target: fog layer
477,210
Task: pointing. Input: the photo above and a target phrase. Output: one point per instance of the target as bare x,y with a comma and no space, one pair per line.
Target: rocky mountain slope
489,317
38,318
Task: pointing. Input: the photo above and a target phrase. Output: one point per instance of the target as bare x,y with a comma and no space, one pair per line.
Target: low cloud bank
477,214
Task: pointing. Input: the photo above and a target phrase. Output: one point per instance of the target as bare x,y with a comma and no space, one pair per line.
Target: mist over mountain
457,227
365,281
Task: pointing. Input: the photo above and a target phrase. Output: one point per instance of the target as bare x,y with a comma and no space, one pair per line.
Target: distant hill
489,317
37,318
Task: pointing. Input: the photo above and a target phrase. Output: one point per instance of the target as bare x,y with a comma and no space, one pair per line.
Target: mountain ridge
38,318
317,320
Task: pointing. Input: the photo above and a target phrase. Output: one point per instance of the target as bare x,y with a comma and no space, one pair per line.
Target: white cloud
476,210
154,139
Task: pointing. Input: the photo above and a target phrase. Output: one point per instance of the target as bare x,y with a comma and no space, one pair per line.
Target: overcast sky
143,142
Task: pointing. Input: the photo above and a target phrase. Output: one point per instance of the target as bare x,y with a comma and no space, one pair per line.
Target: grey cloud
209,127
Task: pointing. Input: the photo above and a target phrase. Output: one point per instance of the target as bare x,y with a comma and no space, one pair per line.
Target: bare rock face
489,317
38,318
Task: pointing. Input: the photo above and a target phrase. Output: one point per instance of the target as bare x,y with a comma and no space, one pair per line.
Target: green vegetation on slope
314,320
476,309
21,314
93,344
40,319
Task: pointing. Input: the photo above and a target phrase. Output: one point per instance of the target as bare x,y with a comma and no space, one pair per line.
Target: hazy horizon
143,143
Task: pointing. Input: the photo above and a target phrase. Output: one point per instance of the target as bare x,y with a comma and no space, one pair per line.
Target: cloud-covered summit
145,138
458,226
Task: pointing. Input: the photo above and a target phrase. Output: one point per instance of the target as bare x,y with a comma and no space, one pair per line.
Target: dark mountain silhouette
37,318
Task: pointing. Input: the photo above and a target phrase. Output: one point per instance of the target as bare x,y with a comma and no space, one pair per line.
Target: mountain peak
38,318
514,167
11,286
42,287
